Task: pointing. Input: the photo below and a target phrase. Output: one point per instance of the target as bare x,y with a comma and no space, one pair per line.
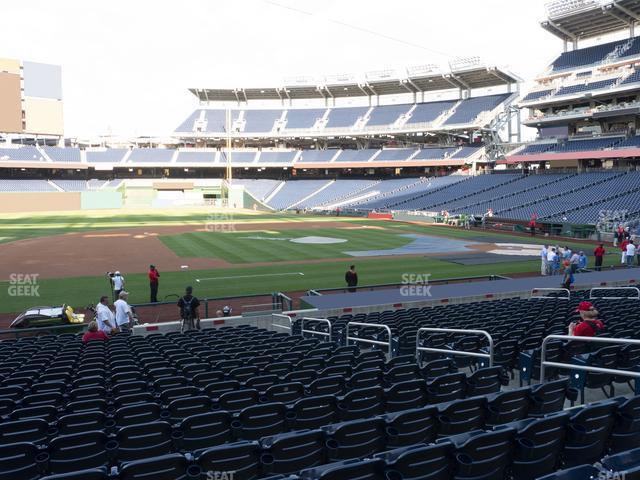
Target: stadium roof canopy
460,75
572,20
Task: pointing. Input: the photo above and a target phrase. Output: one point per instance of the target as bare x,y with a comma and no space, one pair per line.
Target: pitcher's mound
318,240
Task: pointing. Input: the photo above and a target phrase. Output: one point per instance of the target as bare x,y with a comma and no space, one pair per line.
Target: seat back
205,430
291,452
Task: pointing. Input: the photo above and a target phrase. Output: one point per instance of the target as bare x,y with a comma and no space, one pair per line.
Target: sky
127,65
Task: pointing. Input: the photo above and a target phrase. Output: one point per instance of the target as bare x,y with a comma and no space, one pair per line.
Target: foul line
249,276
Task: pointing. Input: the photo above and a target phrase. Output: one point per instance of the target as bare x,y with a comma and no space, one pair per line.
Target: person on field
118,284
618,236
555,261
574,262
630,253
582,261
544,257
189,307
623,248
568,278
351,277
124,315
551,256
104,316
599,254
93,333
154,280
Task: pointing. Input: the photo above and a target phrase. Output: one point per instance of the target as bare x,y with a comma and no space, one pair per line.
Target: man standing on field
351,277
154,276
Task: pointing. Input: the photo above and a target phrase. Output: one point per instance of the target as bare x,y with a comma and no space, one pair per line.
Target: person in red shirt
589,325
599,253
93,333
154,276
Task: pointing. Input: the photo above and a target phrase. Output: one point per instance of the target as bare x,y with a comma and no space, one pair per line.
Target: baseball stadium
412,273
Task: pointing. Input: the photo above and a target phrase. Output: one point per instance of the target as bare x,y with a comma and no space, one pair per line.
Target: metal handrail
455,352
535,290
569,366
280,315
314,332
637,290
372,342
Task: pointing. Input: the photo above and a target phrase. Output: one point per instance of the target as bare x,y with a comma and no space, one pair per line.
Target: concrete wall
10,65
43,116
10,103
39,202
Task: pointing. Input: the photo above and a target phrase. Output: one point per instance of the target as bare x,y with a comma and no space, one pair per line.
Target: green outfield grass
20,226
272,246
80,291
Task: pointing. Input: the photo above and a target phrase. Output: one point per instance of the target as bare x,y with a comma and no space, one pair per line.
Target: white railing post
455,352
635,289
285,327
314,332
372,342
565,290
585,368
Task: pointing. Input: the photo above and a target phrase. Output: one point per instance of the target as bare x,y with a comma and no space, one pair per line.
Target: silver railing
369,341
455,352
585,368
284,317
536,290
327,335
636,289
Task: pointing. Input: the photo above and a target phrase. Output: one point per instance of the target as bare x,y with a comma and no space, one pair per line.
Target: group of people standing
107,321
555,259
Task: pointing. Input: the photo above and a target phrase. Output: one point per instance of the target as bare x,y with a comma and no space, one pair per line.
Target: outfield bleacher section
26,153
68,154
150,155
109,155
294,192
258,189
26,186
333,119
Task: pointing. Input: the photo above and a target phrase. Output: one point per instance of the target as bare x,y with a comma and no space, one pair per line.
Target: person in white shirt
631,253
551,255
124,317
104,316
544,265
118,284
574,261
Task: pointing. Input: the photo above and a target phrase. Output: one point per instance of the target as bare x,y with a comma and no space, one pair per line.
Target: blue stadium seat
408,427
425,462
166,467
291,452
80,451
259,421
369,469
242,458
355,439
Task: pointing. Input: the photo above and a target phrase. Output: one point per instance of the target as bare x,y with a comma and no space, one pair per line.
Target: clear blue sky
127,64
